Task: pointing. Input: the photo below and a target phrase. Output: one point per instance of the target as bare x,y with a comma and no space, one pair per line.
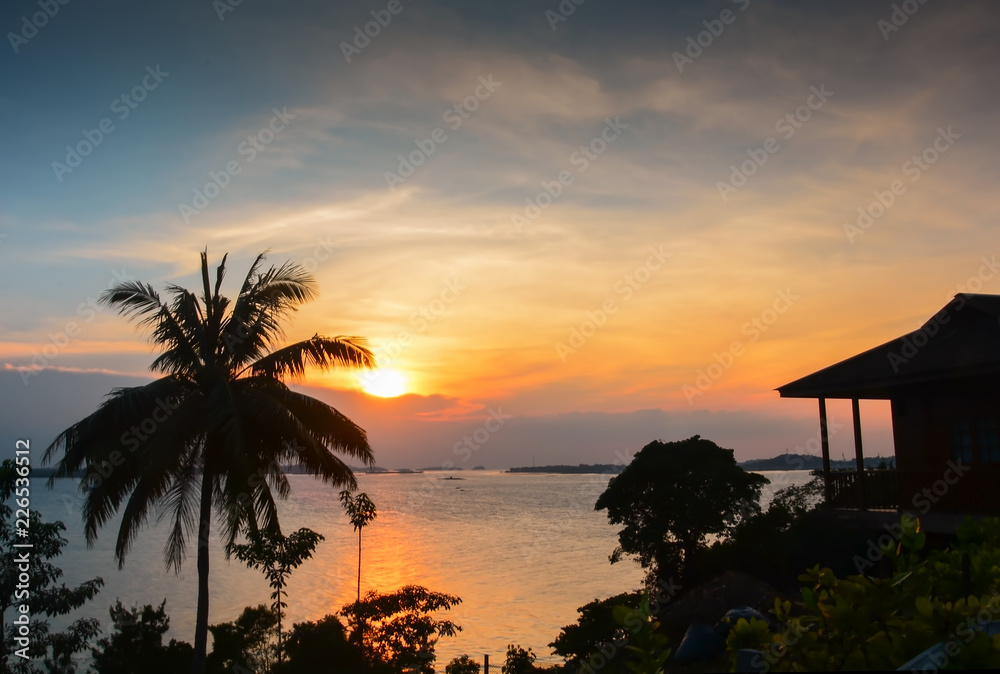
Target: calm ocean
522,551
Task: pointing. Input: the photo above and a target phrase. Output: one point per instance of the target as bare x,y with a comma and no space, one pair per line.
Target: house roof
958,343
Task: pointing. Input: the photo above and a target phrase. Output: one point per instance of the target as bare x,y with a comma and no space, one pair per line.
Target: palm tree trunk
201,624
359,566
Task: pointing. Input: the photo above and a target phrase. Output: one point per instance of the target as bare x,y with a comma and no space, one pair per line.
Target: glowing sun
384,383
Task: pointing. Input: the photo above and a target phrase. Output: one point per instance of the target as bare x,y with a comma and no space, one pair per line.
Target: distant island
782,462
812,462
582,468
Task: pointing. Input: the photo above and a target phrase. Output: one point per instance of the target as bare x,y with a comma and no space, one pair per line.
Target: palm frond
235,454
265,299
124,409
140,302
247,500
206,284
322,352
134,300
181,502
280,427
129,448
151,486
309,429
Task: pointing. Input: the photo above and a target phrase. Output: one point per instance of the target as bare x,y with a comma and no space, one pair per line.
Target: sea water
522,551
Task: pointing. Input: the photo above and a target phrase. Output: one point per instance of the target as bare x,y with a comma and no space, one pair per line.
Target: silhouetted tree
518,661
321,646
277,556
136,645
672,496
216,428
398,628
246,644
596,628
462,665
41,594
361,511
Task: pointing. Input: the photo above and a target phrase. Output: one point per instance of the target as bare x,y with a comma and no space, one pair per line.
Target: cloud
322,180
420,431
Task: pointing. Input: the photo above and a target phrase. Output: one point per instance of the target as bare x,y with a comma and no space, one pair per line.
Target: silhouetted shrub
136,645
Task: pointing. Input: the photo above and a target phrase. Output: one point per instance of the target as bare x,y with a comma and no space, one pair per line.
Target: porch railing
881,489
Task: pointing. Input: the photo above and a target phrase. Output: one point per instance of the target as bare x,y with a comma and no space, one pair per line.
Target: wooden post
486,663
859,455
824,438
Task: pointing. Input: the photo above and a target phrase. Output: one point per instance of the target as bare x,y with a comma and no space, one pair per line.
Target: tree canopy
672,496
398,628
44,593
136,643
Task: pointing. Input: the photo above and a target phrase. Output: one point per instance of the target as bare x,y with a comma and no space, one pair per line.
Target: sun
383,383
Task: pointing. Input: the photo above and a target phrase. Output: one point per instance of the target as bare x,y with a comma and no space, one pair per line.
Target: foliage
646,645
48,597
247,643
672,496
596,627
793,525
213,432
277,556
360,509
321,646
398,628
136,645
62,646
462,665
862,622
796,500
519,661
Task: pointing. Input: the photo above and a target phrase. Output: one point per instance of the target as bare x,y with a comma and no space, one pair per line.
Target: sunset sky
558,220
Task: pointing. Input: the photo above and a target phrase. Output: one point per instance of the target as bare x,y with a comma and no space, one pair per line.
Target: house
943,384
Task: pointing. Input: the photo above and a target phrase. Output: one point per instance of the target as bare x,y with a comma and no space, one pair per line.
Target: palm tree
216,428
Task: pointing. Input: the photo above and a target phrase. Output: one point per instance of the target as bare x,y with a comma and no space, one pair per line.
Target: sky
566,229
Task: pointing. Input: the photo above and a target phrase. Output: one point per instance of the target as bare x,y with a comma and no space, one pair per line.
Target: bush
249,642
397,628
519,661
462,665
596,627
789,536
859,622
136,645
321,646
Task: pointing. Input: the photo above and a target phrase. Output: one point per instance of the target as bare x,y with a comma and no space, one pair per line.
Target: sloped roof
957,343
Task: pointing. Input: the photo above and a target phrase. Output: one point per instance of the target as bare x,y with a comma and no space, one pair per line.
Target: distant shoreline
782,462
812,462
583,468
